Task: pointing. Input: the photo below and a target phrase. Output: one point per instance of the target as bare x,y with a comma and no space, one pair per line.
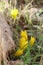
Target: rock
6,40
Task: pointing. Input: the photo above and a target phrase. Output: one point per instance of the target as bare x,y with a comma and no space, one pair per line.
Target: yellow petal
25,46
24,34
32,40
18,52
0,10
23,43
14,13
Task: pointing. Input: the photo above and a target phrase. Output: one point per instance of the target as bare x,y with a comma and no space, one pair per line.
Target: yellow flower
32,40
0,9
23,43
14,13
24,34
18,52
22,40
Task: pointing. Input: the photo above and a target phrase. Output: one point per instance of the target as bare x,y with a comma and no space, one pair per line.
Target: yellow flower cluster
23,40
23,43
14,13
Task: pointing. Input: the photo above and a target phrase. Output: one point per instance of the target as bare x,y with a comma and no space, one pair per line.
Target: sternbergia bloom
32,40
14,13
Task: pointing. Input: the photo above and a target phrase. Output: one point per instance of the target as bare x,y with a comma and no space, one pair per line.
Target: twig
23,11
41,61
